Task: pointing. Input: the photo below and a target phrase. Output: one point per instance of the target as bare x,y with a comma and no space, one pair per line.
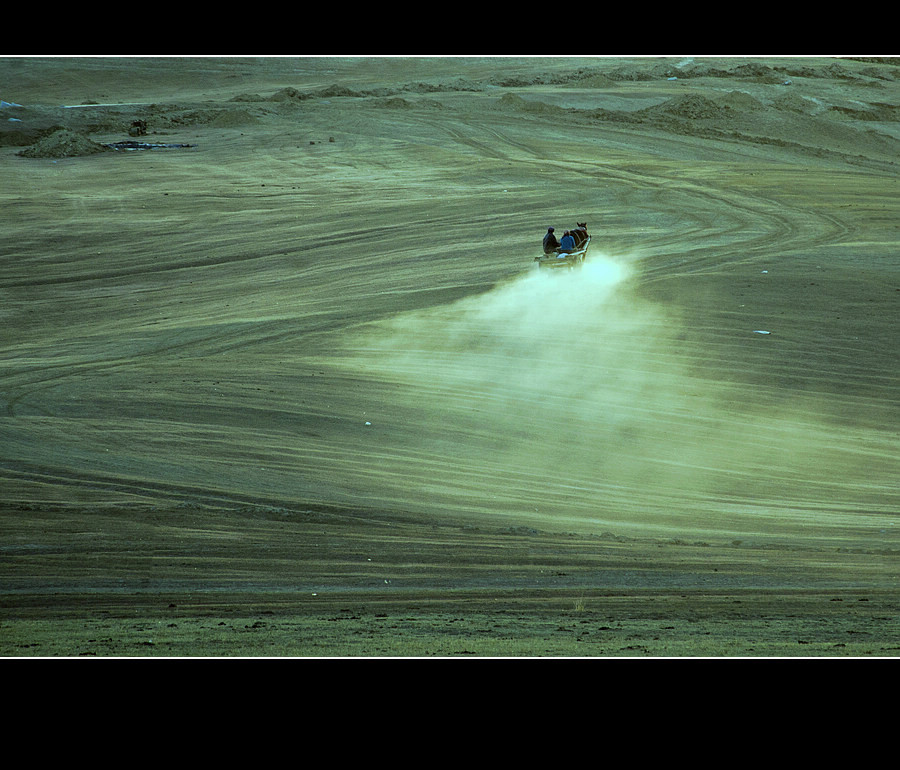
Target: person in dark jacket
550,242
567,244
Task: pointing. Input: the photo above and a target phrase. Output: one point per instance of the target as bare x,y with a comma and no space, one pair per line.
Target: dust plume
566,395
547,388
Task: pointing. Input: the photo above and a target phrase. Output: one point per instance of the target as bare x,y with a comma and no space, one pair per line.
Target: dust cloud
540,338
566,396
554,391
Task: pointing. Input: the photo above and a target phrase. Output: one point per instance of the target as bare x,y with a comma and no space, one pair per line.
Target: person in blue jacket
567,244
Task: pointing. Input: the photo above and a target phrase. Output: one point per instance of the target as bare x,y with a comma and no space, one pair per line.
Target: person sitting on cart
567,244
550,242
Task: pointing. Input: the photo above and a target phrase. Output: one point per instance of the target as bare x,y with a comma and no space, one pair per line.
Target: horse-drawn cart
555,260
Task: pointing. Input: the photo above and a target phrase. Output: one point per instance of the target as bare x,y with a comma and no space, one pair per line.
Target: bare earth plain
293,385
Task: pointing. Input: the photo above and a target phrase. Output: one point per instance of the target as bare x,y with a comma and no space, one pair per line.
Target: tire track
756,225
446,391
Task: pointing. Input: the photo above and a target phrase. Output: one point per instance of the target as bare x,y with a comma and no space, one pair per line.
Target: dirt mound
689,106
63,144
757,73
644,71
792,102
516,102
596,81
233,118
336,90
286,95
741,101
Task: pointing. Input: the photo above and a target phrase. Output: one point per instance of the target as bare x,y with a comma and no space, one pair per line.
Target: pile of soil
63,144
688,106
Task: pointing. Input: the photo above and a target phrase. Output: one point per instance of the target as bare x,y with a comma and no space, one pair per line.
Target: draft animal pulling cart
567,259
556,260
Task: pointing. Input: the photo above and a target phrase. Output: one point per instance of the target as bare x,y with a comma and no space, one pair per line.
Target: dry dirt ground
297,389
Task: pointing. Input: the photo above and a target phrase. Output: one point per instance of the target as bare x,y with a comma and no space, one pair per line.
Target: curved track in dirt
579,402
332,305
